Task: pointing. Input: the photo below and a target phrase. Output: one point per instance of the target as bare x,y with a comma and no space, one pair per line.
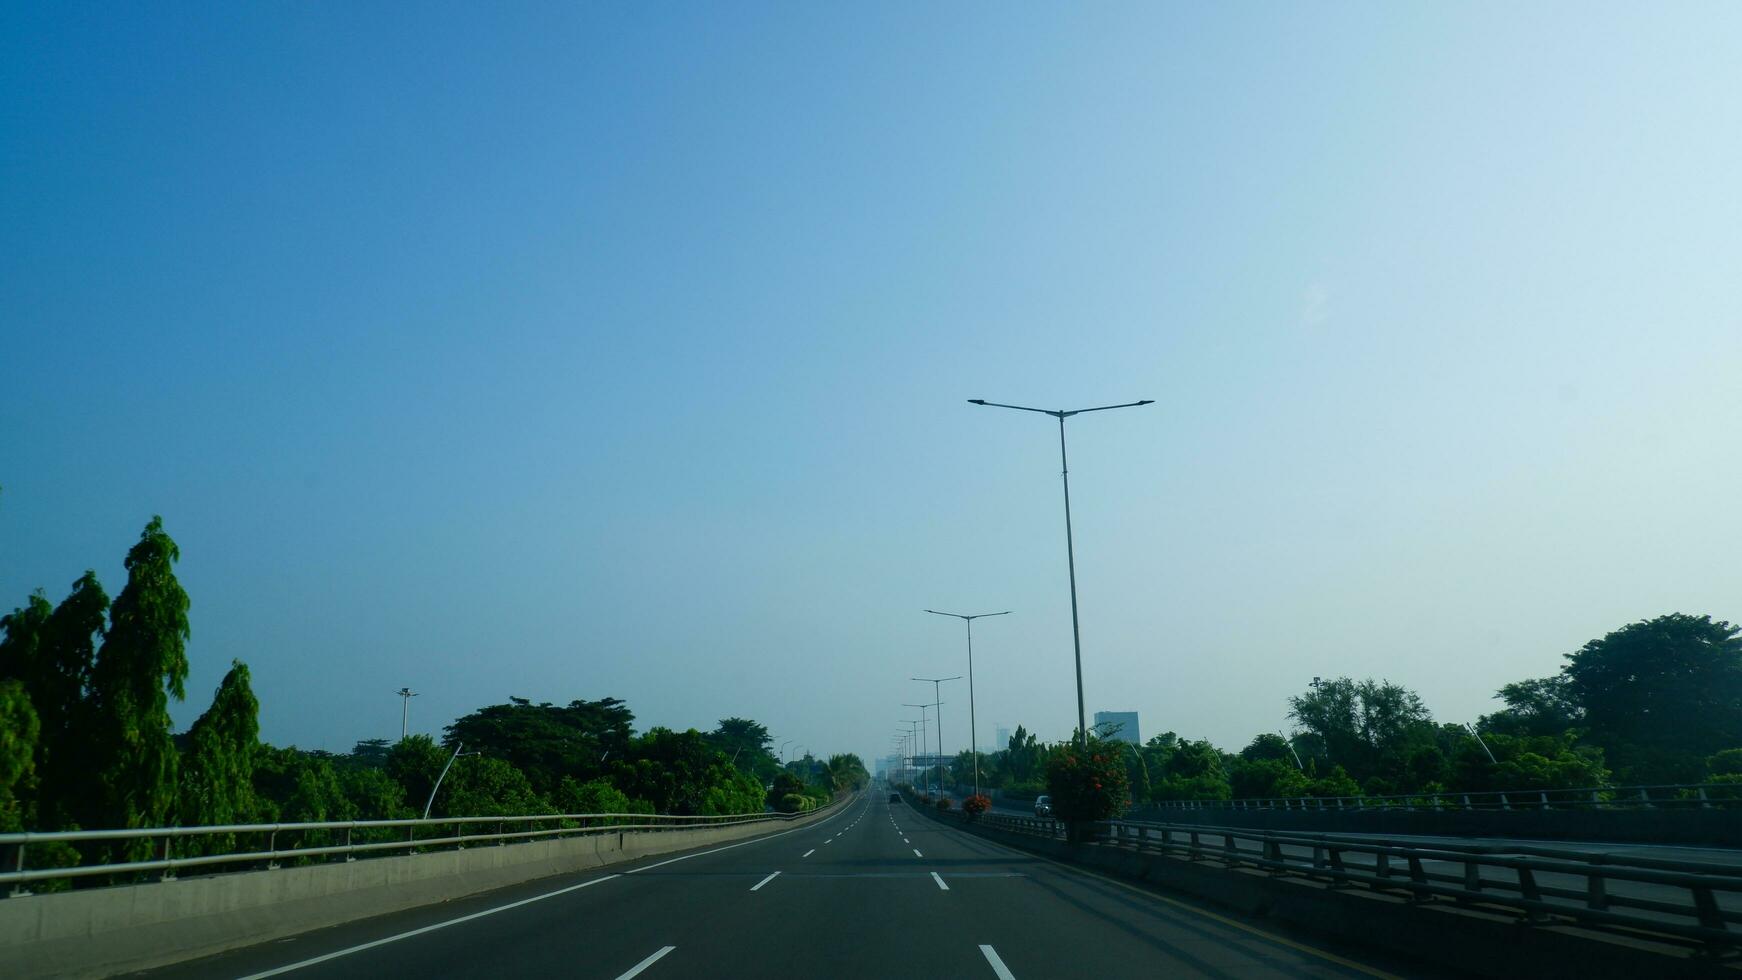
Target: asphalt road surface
875,891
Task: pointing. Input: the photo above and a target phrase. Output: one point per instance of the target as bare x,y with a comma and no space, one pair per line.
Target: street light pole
973,722
924,742
936,688
1070,545
405,694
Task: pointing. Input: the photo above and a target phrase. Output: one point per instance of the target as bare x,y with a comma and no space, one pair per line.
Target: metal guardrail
1693,901
1679,796
163,839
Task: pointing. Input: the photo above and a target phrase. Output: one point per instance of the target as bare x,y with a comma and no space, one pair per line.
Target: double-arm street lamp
973,723
1070,548
924,741
936,687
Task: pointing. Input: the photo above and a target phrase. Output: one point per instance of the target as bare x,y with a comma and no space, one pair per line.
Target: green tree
547,741
1368,727
745,744
1660,695
19,730
51,653
1539,706
217,764
141,664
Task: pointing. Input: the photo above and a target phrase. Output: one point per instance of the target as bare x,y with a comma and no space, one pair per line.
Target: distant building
1003,739
1121,725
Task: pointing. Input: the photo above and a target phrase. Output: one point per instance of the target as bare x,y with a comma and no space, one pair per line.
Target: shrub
792,803
943,803
976,805
1087,785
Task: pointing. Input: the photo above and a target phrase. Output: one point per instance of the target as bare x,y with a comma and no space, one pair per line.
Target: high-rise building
1003,739
1120,725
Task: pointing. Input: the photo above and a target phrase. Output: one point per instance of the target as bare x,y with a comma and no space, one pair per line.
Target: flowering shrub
1087,784
977,804
943,803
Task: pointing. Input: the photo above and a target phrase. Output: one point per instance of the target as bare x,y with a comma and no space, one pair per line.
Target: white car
1043,806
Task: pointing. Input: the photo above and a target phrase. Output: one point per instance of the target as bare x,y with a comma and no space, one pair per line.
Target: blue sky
623,350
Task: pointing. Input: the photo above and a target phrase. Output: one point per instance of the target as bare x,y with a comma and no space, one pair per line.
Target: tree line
1655,702
86,740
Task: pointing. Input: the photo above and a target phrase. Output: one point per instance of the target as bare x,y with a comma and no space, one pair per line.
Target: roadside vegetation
86,739
1655,702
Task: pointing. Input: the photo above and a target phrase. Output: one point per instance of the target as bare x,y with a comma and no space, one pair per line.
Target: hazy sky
576,350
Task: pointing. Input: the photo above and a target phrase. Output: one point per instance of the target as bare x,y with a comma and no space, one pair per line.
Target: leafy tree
1540,706
1528,762
19,730
745,744
1367,727
141,664
1024,756
1662,694
480,786
1265,778
1267,746
673,770
370,753
786,786
1193,771
415,763
545,741
597,796
217,765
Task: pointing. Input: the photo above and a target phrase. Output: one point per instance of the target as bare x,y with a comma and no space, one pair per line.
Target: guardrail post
1705,804
18,889
1505,804
349,854
1527,888
272,851
1472,875
168,872
1596,887
1417,878
1644,797
1544,795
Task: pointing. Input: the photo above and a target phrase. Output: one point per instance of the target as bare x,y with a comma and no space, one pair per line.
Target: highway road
875,891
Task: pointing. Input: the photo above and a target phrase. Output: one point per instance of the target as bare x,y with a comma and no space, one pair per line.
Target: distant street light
783,746
406,694
924,743
973,723
1070,547
936,694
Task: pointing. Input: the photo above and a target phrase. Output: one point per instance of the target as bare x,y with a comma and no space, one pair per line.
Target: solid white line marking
766,881
998,966
418,932
935,877
644,964
810,852
917,854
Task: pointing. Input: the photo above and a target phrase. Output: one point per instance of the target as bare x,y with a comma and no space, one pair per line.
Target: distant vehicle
1043,806
895,797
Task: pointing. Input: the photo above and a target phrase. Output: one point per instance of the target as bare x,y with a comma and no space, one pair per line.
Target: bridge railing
1672,796
174,849
1692,901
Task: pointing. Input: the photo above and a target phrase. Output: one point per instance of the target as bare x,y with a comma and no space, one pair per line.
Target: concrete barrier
103,931
1445,935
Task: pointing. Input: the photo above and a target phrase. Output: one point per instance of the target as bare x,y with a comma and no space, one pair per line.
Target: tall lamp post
973,723
1070,547
406,694
936,691
924,743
